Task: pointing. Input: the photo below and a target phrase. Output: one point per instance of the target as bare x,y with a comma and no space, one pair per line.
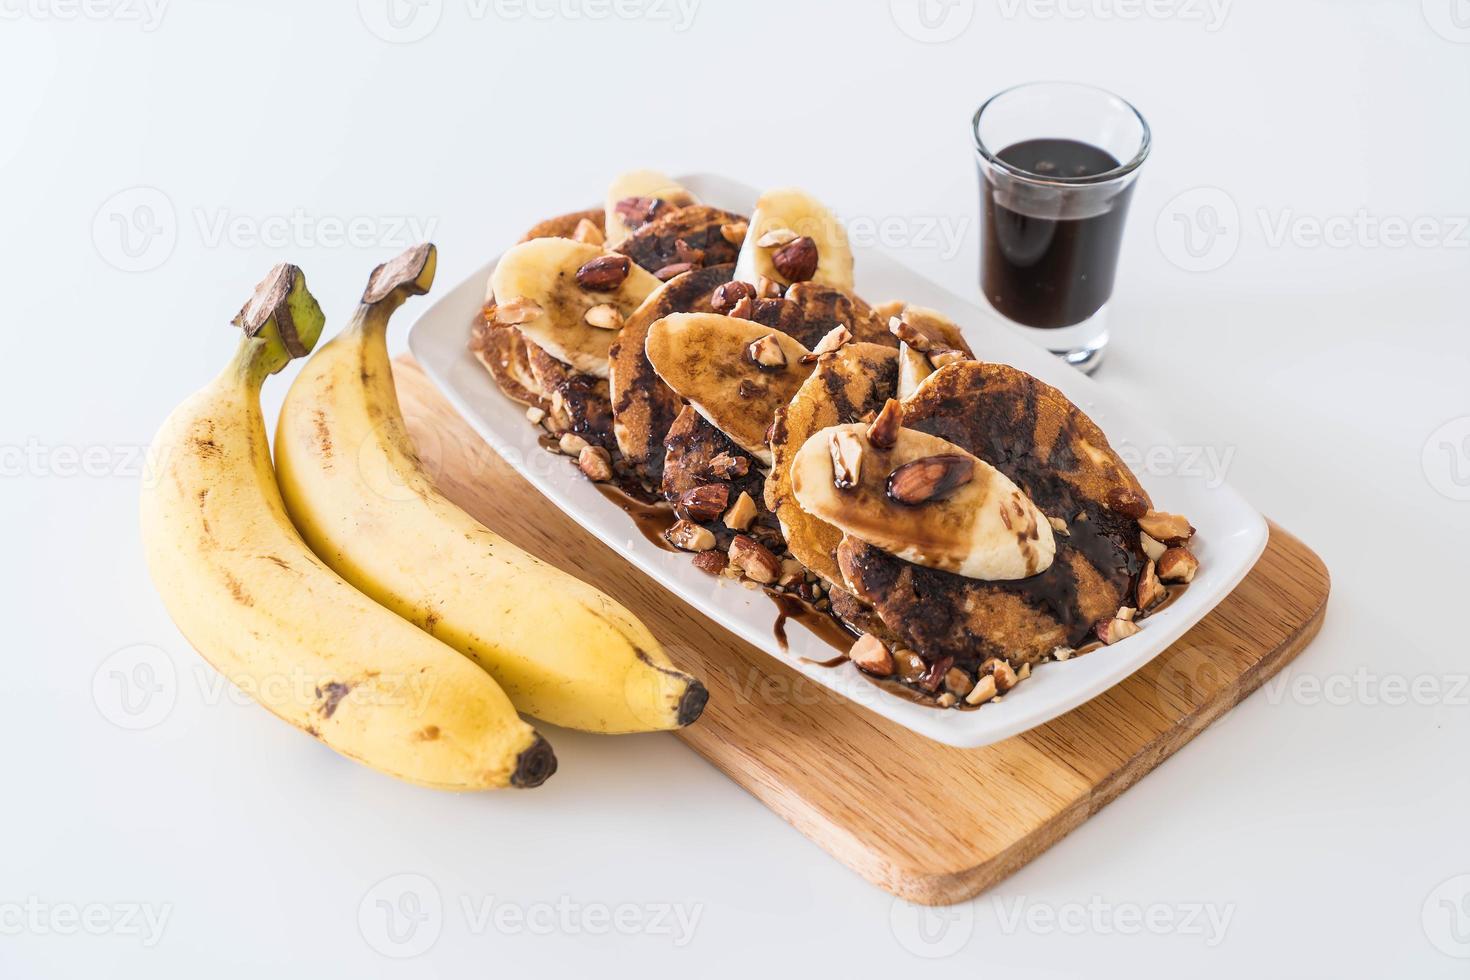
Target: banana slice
782,215
735,373
925,500
649,185
536,288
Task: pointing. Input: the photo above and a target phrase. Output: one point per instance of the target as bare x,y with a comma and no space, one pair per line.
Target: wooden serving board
830,767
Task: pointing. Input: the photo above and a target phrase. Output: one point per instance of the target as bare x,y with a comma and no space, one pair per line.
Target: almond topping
604,316
595,463
703,503
1110,631
883,433
957,682
847,459
797,261
711,562
832,340
776,237
1178,565
572,444
941,358
734,232
1150,590
911,666
671,270
728,295
535,415
685,252
983,690
588,233
766,353
1005,676
1058,525
754,559
1128,502
604,273
744,309
638,211
871,656
1153,549
741,513
728,467
1172,529
930,478
768,288
688,536
912,335
516,311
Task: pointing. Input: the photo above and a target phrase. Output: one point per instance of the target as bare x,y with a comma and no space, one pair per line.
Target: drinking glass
1057,162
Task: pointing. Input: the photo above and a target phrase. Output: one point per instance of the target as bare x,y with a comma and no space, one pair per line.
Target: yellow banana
268,614
564,652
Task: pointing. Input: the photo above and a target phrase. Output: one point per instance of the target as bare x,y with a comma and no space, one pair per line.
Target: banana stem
281,320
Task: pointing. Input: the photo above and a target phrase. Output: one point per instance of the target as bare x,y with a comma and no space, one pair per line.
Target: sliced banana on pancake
628,206
922,499
735,373
569,298
793,237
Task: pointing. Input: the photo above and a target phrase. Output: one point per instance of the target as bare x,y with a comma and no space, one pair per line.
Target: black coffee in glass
1051,272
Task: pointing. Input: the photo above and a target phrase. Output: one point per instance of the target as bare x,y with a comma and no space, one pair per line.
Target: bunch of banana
563,651
258,604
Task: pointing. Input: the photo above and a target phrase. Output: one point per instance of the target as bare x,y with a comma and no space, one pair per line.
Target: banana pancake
683,238
1059,458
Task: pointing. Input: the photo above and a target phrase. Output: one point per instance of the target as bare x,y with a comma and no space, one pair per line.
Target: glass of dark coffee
1057,163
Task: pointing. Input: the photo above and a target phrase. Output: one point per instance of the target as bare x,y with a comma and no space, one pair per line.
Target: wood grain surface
856,784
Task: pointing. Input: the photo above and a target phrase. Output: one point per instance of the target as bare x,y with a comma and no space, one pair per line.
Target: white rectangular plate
1231,535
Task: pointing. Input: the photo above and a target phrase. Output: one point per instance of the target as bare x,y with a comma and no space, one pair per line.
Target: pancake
1057,456
810,311
643,406
844,388
656,246
693,446
564,225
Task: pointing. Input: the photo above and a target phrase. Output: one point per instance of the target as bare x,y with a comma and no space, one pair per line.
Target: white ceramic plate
1231,534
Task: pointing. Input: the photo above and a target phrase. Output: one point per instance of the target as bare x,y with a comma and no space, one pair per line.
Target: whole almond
1128,502
754,559
604,273
931,478
703,503
797,260
665,273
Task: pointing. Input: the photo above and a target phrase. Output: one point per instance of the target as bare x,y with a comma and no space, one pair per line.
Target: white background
1325,817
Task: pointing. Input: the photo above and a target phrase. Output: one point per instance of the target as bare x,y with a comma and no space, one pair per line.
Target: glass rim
1122,170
